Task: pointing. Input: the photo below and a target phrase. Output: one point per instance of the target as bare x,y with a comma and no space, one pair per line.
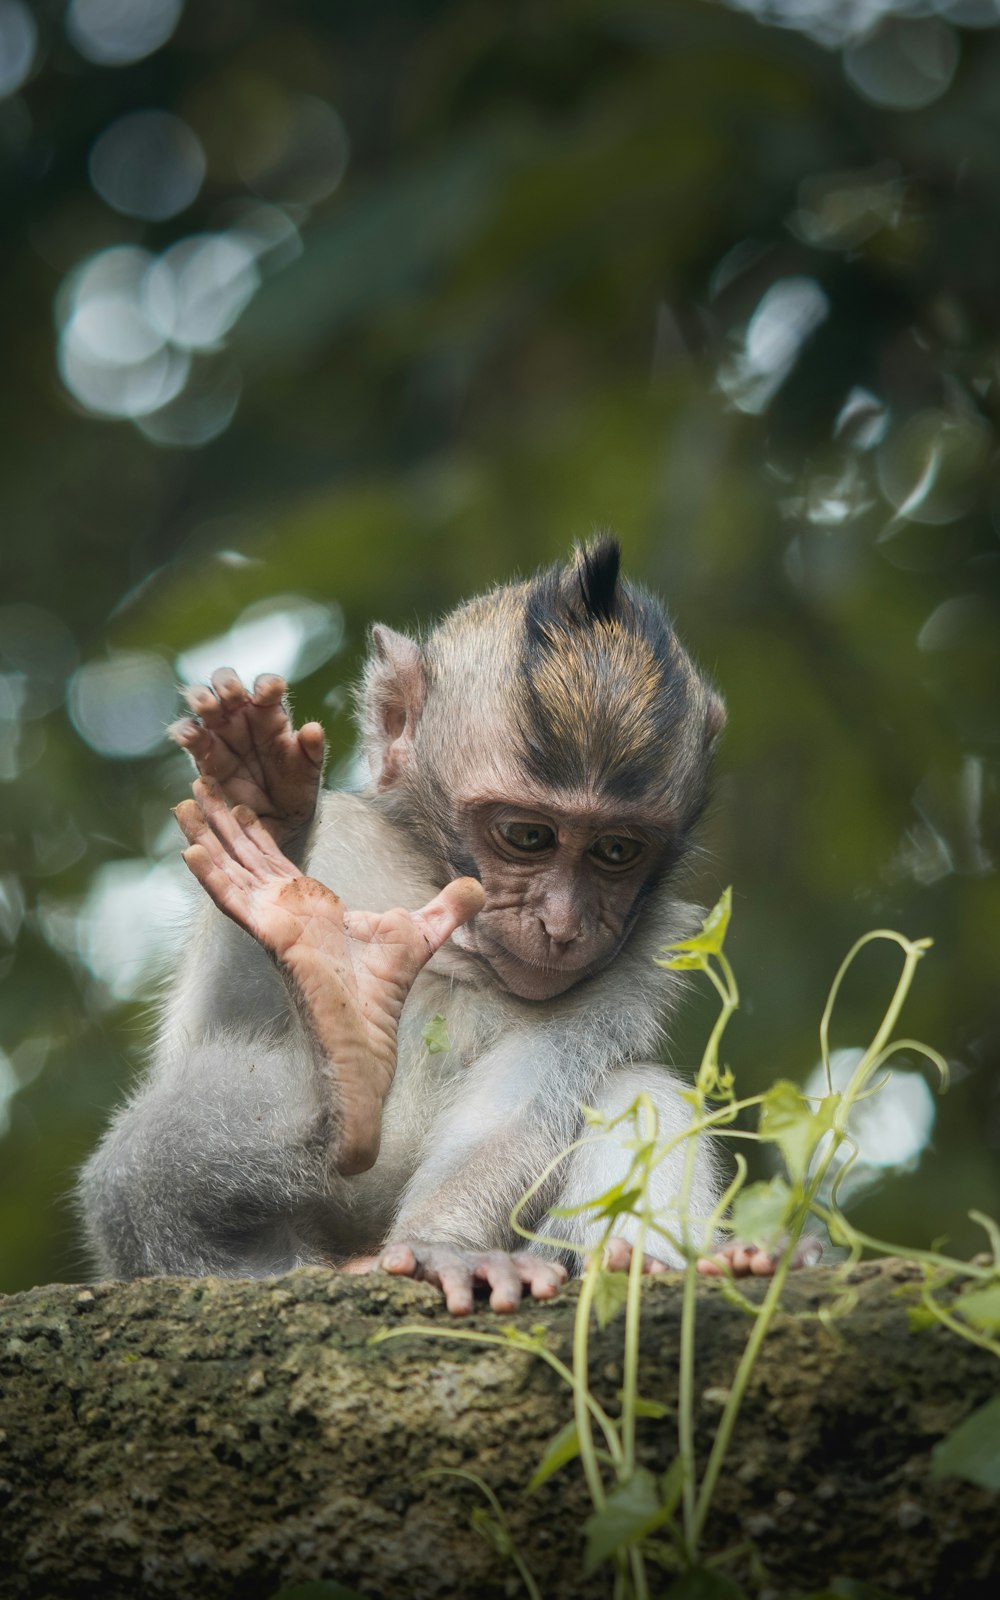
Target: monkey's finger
190,735
618,1258
500,1272
196,830
269,689
217,883
237,840
454,1279
312,742
229,687
457,902
263,843
400,1260
204,703
543,1278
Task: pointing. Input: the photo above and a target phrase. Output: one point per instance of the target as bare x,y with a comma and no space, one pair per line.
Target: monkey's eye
531,837
613,850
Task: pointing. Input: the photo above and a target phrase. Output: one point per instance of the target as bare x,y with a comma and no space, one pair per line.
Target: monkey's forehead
586,809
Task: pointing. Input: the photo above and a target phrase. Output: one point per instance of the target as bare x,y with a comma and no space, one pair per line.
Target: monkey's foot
245,742
459,1273
737,1259
348,971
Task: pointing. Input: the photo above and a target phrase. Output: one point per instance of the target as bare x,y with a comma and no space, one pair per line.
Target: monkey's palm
350,971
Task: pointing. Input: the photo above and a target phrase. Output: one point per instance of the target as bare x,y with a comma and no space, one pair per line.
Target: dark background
462,282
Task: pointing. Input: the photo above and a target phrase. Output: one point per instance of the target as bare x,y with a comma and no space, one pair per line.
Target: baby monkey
538,765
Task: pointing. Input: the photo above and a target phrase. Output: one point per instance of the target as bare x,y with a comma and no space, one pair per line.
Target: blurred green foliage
589,263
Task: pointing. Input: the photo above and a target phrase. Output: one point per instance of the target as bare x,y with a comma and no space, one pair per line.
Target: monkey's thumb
457,902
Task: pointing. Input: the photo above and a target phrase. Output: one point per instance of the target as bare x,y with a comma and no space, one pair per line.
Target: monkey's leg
604,1160
349,972
244,741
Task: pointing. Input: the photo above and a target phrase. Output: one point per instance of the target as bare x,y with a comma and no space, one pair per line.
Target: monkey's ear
716,718
394,691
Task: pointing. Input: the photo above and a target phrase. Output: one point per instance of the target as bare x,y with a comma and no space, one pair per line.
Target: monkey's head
552,739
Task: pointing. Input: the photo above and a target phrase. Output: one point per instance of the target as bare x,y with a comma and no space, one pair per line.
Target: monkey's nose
559,930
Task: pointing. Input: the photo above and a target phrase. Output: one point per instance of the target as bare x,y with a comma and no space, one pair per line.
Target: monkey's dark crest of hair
605,686
597,572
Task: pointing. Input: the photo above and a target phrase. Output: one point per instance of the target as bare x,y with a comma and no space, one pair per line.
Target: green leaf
920,1319
682,962
787,1117
981,1307
648,1408
705,1583
672,1485
760,1212
610,1294
321,1589
563,1448
685,954
533,1339
488,1527
632,1510
435,1035
972,1450
609,1204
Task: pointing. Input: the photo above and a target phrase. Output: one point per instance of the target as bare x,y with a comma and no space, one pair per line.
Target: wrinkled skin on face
562,879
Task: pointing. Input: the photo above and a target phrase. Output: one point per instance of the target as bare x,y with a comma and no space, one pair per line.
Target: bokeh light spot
38,652
18,43
115,936
930,468
148,164
891,1129
203,409
112,33
197,289
296,153
122,706
286,634
907,63
788,313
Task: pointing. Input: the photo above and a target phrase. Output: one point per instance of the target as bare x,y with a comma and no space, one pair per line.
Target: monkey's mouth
532,978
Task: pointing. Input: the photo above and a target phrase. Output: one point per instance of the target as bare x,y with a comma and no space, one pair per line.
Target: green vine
638,1518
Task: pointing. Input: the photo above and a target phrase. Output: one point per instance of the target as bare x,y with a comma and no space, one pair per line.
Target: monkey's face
562,888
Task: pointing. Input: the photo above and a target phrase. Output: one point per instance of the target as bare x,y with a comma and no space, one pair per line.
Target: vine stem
932,1258
581,1391
913,950
727,1421
707,1073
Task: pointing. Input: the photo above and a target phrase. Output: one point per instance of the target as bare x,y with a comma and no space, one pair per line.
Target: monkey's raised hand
349,971
246,742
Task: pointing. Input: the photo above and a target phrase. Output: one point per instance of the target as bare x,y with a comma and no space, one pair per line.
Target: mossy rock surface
220,1439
